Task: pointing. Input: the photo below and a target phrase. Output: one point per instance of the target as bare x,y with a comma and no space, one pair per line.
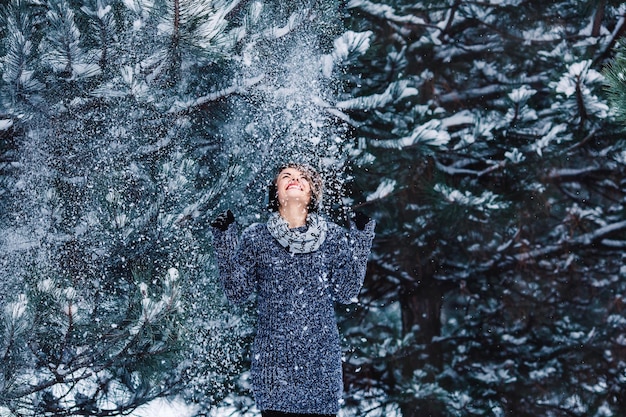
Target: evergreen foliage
616,79
491,160
478,134
103,230
125,127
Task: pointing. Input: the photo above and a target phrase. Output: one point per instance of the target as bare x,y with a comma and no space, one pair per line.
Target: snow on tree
489,156
125,127
479,135
111,299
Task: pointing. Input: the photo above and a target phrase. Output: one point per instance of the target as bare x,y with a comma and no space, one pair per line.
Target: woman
298,264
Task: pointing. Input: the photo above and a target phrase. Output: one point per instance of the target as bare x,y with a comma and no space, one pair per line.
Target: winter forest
485,137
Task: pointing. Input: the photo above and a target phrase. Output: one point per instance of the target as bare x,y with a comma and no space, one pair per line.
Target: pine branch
616,35
600,236
386,13
181,108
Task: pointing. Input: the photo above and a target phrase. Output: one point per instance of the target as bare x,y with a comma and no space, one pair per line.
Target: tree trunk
598,17
421,314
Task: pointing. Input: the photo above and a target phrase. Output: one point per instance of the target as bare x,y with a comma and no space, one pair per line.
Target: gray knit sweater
296,356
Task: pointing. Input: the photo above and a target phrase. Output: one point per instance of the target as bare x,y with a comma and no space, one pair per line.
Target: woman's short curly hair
314,178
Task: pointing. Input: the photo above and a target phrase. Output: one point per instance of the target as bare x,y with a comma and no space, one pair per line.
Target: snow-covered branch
386,12
574,174
183,107
596,237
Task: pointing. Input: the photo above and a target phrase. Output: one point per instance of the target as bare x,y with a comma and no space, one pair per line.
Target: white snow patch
165,408
351,43
5,124
385,188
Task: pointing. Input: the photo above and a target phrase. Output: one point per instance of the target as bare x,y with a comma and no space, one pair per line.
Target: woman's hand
224,220
360,220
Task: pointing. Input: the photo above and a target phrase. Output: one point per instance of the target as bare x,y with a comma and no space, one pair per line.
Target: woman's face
292,186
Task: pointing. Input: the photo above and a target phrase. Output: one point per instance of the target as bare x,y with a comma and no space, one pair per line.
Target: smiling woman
299,264
291,175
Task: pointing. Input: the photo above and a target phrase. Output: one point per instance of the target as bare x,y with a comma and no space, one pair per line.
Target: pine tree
104,238
491,160
126,127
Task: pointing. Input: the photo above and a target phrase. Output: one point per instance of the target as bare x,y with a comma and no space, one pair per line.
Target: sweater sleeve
349,263
236,262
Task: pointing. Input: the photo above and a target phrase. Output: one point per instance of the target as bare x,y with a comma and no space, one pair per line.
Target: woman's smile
294,184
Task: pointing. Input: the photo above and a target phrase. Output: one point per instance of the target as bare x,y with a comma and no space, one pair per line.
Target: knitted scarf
298,240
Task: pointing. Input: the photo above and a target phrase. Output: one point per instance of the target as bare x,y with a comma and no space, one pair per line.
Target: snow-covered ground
164,408
176,408
157,408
